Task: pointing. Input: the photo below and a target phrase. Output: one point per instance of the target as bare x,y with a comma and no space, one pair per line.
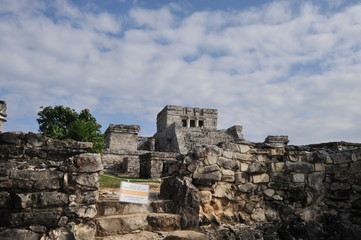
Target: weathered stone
228,163
244,167
269,192
301,167
205,197
62,233
258,215
207,178
338,158
211,168
356,156
52,199
319,167
243,148
272,215
210,160
241,177
228,154
84,231
87,181
280,177
248,187
89,211
19,234
227,176
355,167
278,166
37,228
298,177
243,156
256,167
224,190
315,181
88,162
261,178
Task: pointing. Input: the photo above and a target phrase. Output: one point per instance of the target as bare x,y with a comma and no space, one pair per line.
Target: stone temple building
179,130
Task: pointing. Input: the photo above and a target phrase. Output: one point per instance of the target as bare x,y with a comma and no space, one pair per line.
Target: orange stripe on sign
131,192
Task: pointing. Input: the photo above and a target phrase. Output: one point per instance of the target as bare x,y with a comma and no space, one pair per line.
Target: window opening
201,123
193,123
184,122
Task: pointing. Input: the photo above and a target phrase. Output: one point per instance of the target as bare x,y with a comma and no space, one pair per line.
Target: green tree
64,123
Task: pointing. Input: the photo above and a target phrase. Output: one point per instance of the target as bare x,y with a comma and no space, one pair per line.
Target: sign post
134,193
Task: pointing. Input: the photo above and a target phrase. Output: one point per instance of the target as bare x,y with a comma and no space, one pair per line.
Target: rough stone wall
291,192
122,137
122,162
48,188
152,164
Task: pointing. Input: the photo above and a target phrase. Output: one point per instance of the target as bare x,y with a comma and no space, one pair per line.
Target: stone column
188,123
3,114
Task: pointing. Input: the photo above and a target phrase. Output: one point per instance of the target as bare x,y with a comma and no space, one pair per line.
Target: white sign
134,193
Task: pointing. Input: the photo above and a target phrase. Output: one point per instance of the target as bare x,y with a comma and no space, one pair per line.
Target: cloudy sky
275,67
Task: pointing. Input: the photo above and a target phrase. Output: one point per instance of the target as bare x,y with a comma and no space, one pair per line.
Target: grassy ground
110,181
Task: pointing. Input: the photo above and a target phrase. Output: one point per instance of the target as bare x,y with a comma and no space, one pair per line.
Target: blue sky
274,67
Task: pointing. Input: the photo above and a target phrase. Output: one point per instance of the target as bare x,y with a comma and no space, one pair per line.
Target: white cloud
276,69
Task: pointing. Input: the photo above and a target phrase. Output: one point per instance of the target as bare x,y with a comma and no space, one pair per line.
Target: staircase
155,221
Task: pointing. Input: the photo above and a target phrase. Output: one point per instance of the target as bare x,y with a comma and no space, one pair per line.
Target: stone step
121,224
114,207
145,235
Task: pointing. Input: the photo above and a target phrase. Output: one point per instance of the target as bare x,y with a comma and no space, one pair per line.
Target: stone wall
48,188
290,192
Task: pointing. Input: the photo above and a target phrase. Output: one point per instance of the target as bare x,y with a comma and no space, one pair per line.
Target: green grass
110,181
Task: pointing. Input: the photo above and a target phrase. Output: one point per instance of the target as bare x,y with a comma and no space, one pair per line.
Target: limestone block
248,187
38,228
272,215
89,211
319,167
302,167
47,184
224,190
34,175
53,199
258,215
278,167
269,192
227,176
205,197
84,231
276,151
19,234
211,160
243,148
315,181
210,168
241,177
244,167
261,178
228,154
356,156
62,233
87,181
243,157
228,163
355,167
88,162
256,167
338,158
207,208
298,178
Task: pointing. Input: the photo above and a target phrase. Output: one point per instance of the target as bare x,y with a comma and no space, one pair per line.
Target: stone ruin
179,130
226,187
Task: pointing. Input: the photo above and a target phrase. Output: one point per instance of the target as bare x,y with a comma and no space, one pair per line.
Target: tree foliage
64,123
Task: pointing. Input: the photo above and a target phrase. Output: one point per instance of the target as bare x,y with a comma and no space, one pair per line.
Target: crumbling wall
48,188
301,192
